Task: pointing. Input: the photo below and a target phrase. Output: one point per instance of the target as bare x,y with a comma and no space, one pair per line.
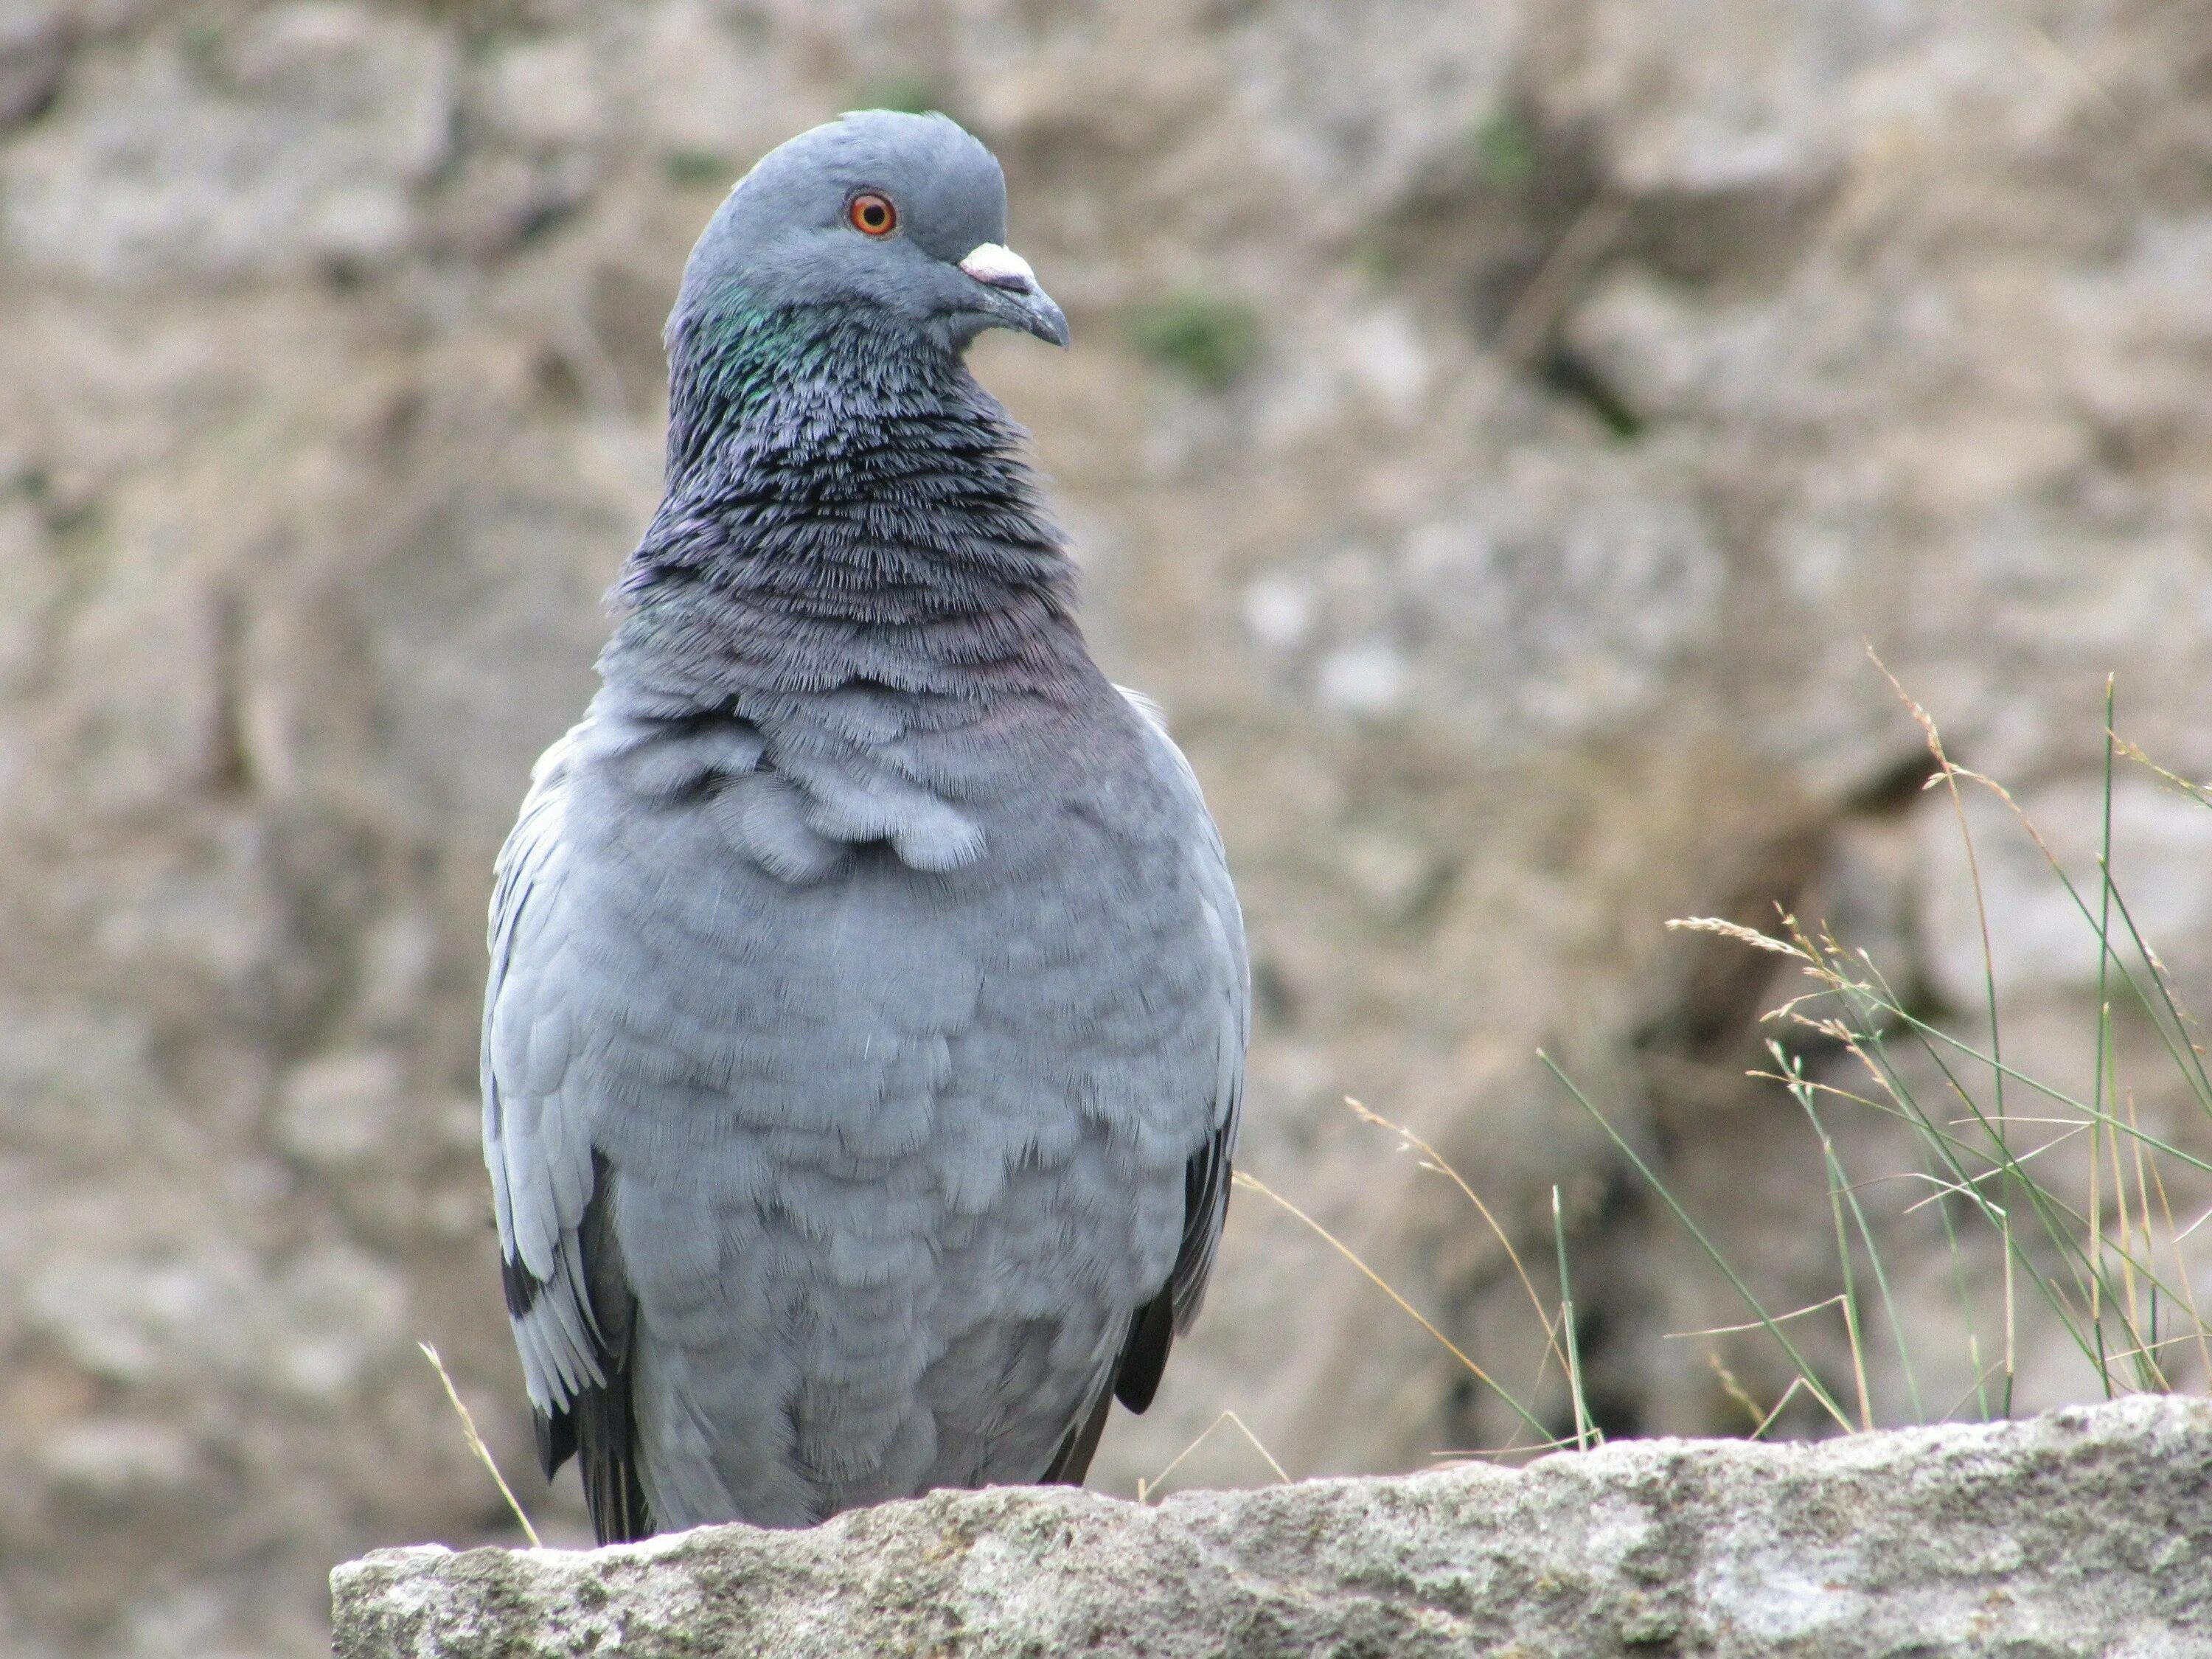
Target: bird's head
901,218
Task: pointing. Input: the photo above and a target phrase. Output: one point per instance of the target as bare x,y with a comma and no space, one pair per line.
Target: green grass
2065,1186
1209,339
688,168
2000,1153
1505,150
908,95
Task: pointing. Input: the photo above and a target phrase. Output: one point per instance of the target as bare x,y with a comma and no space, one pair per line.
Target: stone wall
2085,1534
1495,430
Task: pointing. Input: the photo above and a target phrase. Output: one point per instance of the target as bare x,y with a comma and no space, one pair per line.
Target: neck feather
842,503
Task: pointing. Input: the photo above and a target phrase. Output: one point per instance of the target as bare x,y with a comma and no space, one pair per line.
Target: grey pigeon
868,997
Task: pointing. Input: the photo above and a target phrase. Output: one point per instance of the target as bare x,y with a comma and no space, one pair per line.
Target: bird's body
867,1006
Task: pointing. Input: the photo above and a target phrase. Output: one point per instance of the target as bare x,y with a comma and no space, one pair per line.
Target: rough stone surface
1587,383
2087,1532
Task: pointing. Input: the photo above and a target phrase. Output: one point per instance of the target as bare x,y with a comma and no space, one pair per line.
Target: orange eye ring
872,214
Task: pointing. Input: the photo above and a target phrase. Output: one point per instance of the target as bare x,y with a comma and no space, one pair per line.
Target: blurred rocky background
1495,429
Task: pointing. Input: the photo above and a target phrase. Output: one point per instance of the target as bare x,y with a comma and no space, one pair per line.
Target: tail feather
606,1457
599,1426
1072,1460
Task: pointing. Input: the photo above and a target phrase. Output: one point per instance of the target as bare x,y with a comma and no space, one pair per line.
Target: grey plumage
867,1009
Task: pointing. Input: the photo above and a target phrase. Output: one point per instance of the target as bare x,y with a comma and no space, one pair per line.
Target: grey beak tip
1040,315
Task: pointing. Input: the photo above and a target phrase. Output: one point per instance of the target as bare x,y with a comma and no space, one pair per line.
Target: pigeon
868,1000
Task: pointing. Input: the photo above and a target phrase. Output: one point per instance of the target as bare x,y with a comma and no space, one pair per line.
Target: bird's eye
872,214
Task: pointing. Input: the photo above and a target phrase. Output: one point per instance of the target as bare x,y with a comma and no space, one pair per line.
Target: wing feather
566,1293
1154,1327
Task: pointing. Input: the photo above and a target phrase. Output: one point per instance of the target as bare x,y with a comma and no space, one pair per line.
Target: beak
1016,300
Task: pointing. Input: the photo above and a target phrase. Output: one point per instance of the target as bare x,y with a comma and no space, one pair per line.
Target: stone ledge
2085,1532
